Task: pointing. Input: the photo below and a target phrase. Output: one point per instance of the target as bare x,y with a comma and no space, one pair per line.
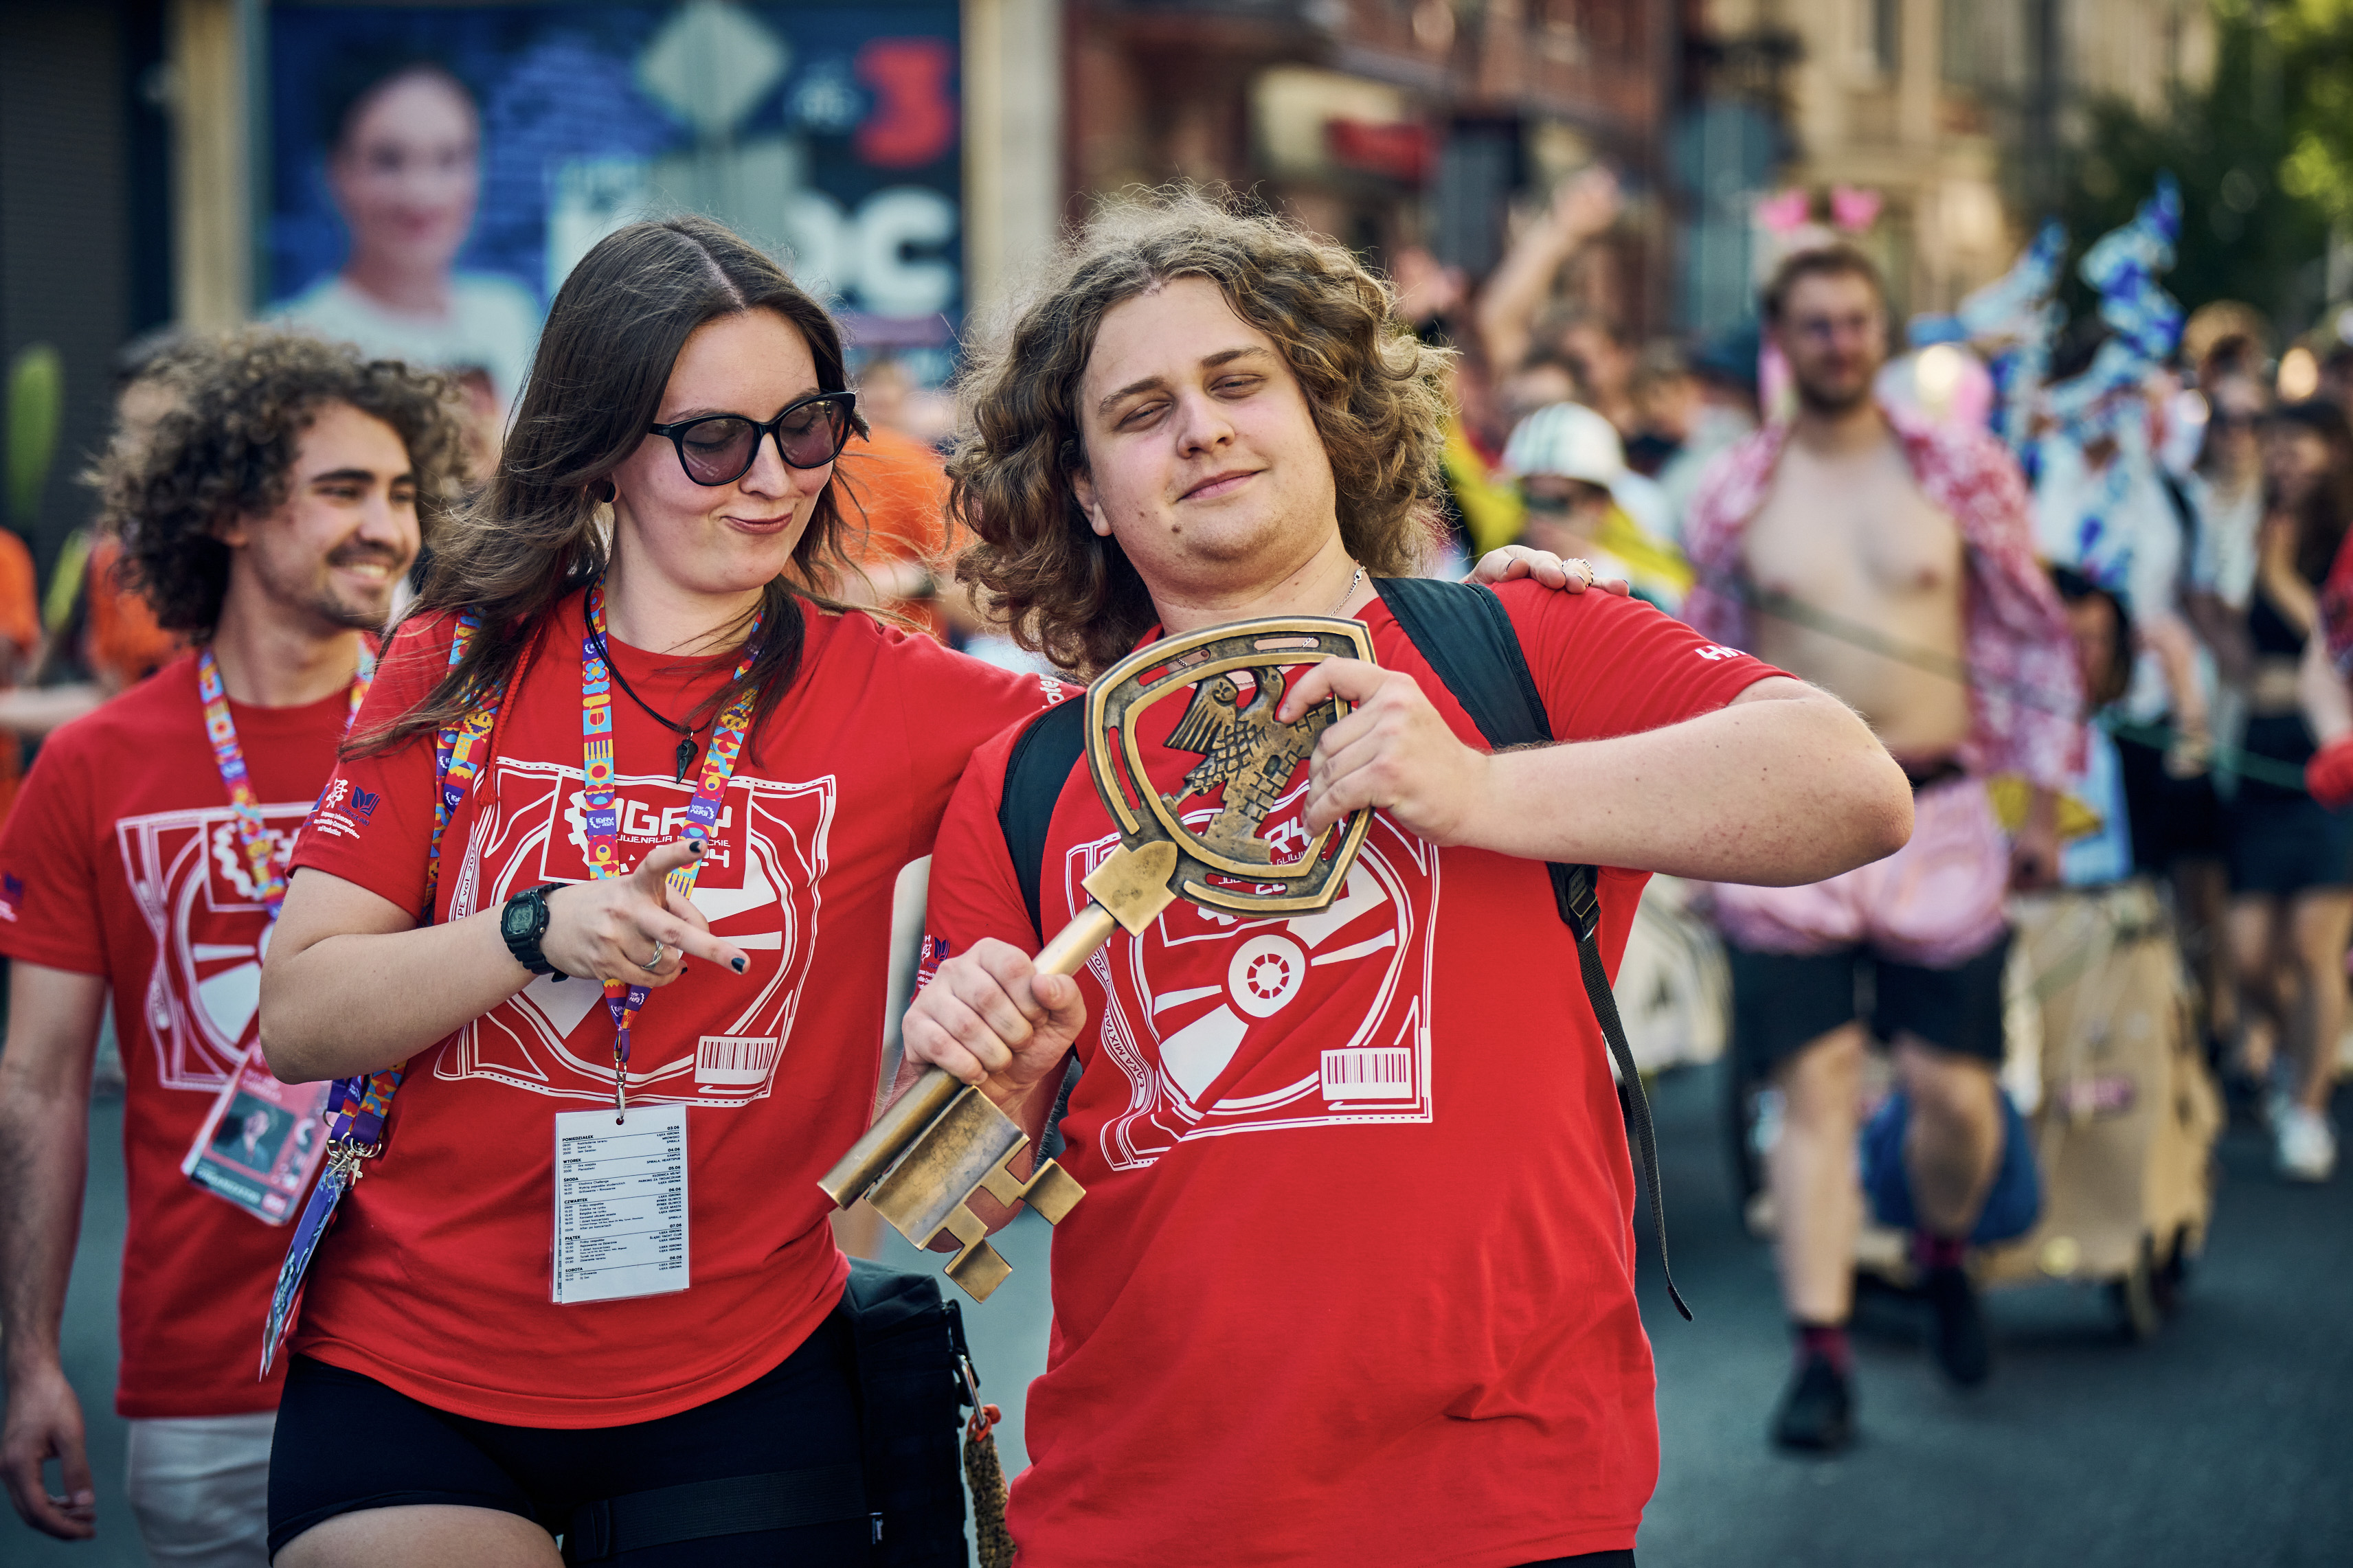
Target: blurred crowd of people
2088,579
2190,473
2074,571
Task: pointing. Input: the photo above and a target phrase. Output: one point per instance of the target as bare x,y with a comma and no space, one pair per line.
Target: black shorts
1783,1002
346,1442
2283,845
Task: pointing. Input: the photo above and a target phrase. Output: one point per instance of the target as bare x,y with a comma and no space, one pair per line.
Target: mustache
360,551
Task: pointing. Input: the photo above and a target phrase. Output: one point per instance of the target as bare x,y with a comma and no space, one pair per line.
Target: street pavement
2223,1443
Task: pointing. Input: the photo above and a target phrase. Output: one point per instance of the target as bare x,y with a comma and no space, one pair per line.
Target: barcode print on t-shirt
735,1058
1378,1072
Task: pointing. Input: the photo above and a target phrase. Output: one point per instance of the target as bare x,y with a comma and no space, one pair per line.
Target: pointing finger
695,941
681,906
667,859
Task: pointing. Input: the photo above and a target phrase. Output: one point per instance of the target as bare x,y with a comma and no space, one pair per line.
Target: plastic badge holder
261,1143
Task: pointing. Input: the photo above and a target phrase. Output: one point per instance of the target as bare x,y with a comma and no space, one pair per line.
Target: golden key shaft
943,1139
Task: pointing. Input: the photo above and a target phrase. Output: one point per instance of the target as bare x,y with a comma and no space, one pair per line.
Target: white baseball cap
1568,440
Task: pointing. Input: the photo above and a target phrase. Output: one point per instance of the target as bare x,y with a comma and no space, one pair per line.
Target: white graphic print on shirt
1223,1024
758,888
211,929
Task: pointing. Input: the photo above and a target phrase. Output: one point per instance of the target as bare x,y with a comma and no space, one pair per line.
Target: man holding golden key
1353,1280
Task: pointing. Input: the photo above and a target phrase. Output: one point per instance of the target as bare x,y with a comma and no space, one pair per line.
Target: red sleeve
48,865
20,608
1609,666
952,705
973,891
373,825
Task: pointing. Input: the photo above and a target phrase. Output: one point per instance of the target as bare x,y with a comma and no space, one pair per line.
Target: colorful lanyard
228,753
356,1107
602,822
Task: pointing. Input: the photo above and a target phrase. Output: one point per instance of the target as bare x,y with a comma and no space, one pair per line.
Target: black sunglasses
720,448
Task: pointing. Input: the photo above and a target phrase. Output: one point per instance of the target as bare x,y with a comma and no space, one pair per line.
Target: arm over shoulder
953,705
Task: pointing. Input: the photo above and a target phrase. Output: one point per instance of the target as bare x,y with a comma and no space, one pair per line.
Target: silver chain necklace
1348,592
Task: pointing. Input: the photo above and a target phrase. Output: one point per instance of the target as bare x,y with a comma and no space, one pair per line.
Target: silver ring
655,961
1591,577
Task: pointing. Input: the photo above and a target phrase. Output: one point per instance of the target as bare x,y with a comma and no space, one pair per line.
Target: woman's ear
602,491
1082,488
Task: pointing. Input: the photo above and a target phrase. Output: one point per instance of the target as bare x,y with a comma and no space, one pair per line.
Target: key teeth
978,1269
1052,1192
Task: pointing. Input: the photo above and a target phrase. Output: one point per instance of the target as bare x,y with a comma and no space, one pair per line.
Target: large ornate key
942,1141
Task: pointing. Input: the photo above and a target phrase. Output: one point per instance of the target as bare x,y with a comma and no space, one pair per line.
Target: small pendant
685,757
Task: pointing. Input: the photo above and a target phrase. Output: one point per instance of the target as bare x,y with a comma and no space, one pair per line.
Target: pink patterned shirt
2026,695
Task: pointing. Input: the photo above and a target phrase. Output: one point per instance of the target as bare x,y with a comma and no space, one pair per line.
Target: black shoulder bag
913,1377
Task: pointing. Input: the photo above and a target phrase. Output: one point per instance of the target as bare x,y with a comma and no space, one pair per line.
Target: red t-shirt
1354,1279
122,859
435,1277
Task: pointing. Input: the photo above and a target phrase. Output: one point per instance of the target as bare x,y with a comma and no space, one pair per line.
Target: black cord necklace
687,749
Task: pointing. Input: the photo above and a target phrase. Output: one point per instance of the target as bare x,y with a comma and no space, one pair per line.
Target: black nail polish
738,964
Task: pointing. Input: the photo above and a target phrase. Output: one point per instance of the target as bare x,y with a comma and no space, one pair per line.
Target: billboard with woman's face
435,171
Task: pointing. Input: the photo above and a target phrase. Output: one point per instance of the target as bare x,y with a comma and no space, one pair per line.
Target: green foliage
2316,36
37,397
2264,153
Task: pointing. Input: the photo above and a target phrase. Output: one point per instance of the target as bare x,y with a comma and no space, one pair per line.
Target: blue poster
435,171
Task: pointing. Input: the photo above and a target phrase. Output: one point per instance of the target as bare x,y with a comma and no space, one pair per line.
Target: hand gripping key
942,1141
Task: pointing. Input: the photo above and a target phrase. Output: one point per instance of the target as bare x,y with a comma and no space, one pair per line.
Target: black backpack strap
1034,776
1034,773
1466,636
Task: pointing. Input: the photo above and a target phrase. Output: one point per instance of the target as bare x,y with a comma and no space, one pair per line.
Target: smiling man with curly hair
193,501
269,515
1354,1281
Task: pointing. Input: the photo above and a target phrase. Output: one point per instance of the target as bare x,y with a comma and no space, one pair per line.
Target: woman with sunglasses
653,917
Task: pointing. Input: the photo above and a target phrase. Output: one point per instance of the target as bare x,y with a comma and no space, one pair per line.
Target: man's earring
603,490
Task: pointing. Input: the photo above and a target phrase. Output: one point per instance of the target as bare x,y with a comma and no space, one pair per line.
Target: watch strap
525,946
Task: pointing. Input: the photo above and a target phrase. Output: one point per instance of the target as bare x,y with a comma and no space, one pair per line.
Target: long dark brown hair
1375,391
605,357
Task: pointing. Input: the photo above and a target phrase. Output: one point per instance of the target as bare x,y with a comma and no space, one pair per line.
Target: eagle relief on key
1245,749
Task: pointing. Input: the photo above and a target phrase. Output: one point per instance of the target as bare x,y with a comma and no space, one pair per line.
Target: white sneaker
2303,1145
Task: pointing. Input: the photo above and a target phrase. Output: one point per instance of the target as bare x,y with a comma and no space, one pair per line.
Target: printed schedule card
621,1203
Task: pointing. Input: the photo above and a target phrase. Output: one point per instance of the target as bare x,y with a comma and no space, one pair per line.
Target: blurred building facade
86,241
132,137
1956,113
1386,122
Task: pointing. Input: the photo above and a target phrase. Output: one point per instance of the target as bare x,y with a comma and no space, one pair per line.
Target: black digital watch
522,922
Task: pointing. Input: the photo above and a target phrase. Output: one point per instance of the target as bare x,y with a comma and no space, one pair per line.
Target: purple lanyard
601,821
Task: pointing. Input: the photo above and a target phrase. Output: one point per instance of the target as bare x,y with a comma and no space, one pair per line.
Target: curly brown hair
226,452
1375,391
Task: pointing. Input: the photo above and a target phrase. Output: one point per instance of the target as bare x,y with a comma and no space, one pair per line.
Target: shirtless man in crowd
1892,563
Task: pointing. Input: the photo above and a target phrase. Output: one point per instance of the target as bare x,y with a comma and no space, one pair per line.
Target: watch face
520,917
